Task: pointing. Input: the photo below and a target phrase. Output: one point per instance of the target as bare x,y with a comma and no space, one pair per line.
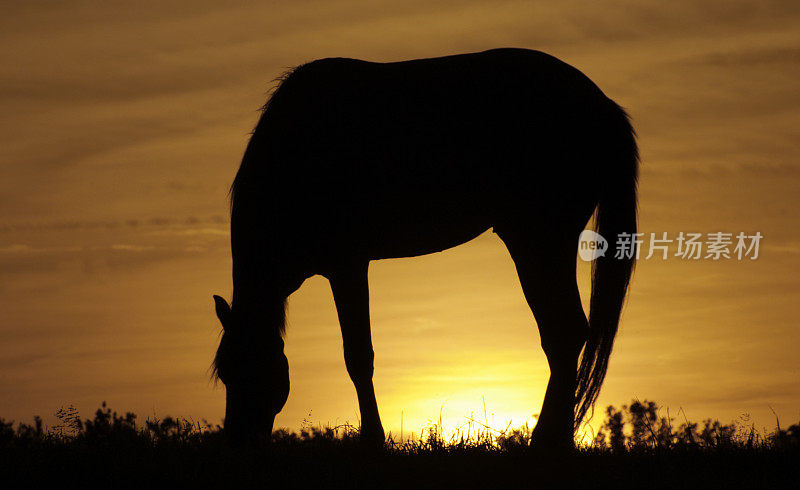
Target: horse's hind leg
351,294
546,268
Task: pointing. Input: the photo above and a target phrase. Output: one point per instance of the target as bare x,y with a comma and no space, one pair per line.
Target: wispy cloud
156,222
131,248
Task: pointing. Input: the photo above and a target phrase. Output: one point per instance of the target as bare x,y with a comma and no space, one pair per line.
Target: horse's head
251,363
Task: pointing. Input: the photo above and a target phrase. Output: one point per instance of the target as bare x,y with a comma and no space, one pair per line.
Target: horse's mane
251,148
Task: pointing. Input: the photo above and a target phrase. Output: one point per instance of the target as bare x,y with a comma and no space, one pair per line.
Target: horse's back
411,157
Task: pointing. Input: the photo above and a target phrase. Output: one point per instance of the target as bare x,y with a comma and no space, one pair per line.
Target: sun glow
473,392
461,416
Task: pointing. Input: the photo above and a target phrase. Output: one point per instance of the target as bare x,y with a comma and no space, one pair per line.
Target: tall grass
637,445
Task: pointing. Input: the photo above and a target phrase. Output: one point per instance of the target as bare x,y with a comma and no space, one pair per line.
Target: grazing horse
353,161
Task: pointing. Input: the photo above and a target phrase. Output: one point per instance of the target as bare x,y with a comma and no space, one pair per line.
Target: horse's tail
616,214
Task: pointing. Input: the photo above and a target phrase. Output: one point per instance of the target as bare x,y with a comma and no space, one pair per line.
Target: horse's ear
223,311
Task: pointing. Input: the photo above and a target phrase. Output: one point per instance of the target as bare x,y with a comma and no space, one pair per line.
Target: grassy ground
642,451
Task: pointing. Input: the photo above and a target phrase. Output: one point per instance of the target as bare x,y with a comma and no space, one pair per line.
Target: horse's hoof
552,444
372,439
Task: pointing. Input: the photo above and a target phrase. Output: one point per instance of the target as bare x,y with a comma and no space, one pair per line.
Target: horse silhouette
353,161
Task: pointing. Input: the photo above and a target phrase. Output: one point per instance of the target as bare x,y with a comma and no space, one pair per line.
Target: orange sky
122,128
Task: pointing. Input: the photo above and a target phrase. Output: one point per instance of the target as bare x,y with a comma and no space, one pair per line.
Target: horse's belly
414,238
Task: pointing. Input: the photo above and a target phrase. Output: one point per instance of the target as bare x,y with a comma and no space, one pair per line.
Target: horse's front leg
351,294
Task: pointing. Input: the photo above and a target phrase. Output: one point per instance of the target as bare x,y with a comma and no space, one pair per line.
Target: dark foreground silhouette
116,452
354,161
